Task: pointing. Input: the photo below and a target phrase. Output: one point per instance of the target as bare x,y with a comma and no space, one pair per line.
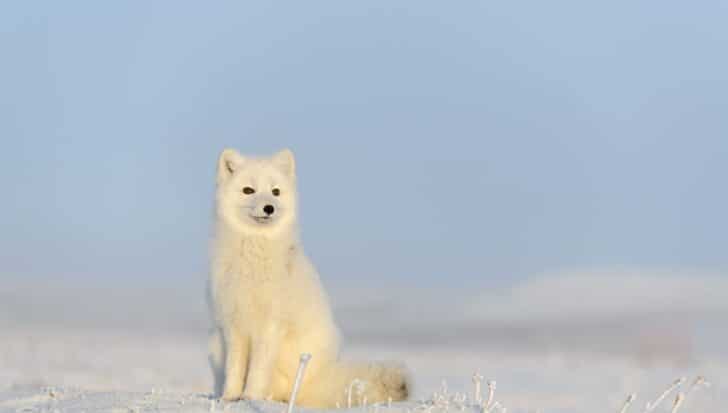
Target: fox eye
248,190
276,191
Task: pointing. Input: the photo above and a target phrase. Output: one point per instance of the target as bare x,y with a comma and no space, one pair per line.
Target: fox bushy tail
342,382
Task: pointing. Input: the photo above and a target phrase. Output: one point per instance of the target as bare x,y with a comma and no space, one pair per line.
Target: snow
103,348
84,369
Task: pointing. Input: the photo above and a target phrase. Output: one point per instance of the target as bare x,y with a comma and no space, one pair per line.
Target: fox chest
251,295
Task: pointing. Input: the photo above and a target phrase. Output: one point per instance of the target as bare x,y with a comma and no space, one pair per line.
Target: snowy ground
110,349
96,370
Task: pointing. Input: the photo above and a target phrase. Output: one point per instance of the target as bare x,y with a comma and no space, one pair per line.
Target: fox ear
286,162
230,160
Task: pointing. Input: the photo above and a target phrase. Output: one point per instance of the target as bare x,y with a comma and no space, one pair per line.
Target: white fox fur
267,301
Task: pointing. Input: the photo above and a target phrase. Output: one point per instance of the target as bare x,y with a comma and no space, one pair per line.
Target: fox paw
232,396
252,396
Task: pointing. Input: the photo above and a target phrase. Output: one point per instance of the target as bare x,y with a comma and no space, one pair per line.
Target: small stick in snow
477,378
354,383
699,382
678,401
491,393
651,406
305,357
627,402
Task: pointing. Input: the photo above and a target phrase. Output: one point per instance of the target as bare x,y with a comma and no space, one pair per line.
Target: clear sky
442,142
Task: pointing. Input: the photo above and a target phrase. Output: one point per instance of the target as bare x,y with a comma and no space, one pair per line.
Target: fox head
257,195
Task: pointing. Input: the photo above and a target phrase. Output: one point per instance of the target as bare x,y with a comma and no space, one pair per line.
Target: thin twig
678,401
477,378
651,406
303,361
627,402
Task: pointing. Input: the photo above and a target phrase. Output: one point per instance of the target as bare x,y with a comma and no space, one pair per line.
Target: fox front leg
263,356
236,360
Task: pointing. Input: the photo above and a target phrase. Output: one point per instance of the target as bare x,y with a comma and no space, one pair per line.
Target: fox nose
268,209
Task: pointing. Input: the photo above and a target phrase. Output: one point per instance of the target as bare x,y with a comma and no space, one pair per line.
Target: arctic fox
267,301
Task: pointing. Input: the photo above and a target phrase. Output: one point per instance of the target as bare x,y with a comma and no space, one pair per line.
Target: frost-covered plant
627,402
698,383
491,393
678,401
303,361
442,400
355,385
477,379
496,407
651,406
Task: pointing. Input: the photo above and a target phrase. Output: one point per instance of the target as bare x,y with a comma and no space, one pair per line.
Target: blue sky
467,142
